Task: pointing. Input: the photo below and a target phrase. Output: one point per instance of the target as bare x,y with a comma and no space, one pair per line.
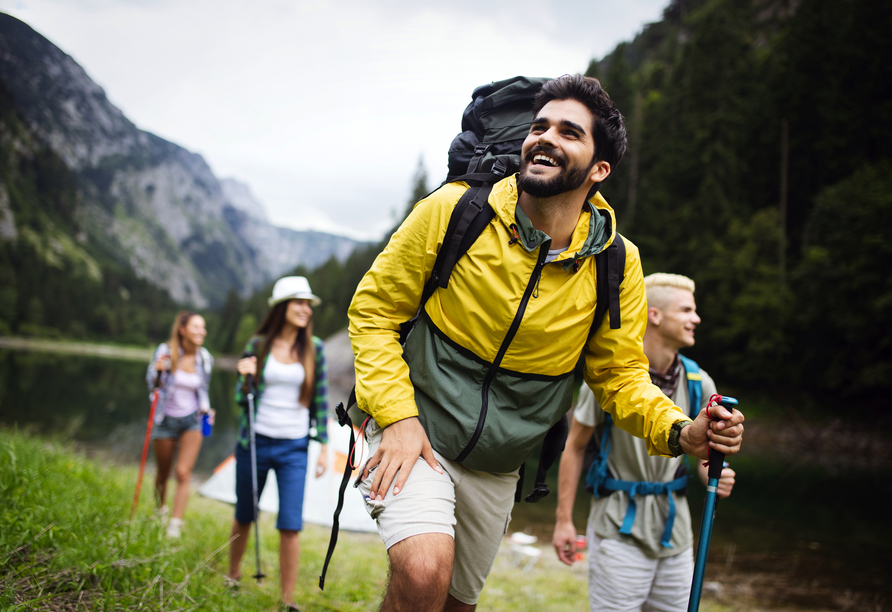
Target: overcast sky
322,107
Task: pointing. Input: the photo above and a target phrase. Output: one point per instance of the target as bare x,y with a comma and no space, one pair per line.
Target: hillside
759,164
132,198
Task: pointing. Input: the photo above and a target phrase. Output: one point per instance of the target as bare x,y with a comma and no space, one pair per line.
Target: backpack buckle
499,168
343,418
538,493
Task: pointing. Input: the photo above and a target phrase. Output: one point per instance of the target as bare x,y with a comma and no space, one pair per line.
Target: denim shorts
173,427
288,459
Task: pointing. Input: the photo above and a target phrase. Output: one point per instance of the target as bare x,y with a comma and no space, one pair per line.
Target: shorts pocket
374,508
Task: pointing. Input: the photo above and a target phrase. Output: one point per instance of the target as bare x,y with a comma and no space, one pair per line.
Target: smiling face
677,319
298,313
194,331
558,155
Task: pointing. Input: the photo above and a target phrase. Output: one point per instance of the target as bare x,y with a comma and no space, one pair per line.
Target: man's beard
569,179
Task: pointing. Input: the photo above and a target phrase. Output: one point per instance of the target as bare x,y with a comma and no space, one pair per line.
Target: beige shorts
621,578
472,507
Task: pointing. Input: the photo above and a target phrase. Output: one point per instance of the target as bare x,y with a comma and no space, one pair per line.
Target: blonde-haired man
639,528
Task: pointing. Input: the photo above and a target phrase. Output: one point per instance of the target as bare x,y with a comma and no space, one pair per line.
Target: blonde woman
291,399
185,367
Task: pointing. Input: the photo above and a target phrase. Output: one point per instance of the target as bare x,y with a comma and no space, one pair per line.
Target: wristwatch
675,437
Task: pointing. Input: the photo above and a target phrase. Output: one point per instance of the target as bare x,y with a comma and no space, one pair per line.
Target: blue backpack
599,481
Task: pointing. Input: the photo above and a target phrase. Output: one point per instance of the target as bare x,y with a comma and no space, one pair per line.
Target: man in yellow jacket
488,368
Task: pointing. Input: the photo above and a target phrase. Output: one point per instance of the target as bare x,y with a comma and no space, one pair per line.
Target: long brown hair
303,347
176,338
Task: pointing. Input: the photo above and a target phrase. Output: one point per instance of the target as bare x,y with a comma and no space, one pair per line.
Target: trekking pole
249,380
145,444
716,464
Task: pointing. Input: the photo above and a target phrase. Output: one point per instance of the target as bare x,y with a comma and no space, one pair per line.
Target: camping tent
321,494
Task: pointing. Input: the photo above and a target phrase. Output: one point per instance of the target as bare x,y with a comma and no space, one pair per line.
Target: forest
760,165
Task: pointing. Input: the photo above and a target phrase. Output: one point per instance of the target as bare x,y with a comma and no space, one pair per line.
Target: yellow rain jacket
488,369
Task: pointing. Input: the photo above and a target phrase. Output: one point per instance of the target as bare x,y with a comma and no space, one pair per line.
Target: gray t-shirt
628,460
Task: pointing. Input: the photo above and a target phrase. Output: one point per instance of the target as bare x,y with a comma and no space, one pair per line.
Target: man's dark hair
608,128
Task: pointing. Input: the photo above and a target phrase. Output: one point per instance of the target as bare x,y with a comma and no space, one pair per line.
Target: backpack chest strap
647,488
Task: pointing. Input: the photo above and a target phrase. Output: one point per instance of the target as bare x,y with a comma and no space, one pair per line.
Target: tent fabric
320,495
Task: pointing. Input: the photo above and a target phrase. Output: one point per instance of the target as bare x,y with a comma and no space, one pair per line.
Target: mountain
278,249
150,204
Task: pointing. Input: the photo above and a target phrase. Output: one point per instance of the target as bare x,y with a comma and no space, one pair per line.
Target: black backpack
494,126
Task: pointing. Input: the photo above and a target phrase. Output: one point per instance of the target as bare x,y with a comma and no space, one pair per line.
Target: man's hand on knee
401,445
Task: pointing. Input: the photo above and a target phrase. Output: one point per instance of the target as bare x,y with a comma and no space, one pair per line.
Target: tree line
759,165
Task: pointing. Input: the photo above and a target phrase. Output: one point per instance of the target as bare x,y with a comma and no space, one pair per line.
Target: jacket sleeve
204,400
389,295
617,370
151,372
319,409
241,392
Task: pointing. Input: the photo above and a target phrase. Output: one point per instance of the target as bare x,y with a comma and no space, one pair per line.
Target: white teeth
546,159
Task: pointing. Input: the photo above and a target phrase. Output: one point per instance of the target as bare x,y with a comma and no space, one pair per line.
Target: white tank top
279,413
184,399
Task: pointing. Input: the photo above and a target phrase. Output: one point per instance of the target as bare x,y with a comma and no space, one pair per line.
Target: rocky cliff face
278,249
156,205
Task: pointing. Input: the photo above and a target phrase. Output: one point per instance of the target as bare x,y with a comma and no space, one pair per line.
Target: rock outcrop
156,205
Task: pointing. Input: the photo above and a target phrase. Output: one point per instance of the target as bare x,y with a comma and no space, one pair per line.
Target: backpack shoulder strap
552,447
470,216
610,265
695,384
472,213
597,473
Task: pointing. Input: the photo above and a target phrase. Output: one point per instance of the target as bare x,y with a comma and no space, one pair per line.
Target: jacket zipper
509,337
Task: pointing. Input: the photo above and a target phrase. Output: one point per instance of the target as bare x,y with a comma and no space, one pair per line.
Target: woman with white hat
291,400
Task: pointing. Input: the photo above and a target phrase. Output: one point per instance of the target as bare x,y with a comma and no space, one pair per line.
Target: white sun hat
293,288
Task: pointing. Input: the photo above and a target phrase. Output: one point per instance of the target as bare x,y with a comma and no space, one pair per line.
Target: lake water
807,526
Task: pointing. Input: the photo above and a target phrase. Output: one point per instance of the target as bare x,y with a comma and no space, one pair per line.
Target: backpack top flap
499,115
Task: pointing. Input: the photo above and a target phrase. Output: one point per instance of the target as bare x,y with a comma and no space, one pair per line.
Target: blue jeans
288,458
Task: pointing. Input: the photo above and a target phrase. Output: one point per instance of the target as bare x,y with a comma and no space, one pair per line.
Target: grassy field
66,544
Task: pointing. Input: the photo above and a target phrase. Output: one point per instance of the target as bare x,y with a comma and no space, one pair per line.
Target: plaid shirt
318,409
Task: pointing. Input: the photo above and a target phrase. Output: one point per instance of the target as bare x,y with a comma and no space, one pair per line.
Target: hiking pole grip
717,458
249,378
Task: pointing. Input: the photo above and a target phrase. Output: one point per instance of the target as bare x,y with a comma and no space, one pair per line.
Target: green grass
66,544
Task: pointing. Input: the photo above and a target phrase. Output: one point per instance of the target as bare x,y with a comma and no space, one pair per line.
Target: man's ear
654,316
600,171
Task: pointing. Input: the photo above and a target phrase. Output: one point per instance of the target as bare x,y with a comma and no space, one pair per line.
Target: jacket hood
595,230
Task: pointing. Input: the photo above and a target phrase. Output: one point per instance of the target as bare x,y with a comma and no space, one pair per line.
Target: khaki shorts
472,507
621,578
